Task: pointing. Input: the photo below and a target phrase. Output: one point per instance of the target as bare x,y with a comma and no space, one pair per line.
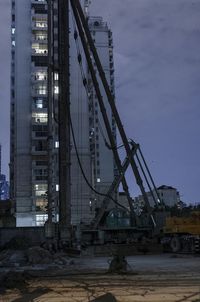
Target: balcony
39,77
40,91
39,24
40,38
40,178
38,151
39,121
39,52
40,104
40,165
39,1
38,8
39,135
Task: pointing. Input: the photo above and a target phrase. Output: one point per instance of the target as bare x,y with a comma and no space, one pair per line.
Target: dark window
40,8
41,163
39,128
41,134
40,60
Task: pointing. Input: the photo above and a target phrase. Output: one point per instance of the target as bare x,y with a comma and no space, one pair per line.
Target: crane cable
85,84
83,172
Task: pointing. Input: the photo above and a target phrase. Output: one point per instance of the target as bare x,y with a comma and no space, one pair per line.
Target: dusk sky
157,70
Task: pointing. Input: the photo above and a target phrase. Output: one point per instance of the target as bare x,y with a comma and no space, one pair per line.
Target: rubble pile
12,258
13,280
38,255
18,243
33,256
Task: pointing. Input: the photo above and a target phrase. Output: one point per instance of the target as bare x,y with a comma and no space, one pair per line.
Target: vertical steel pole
64,121
50,125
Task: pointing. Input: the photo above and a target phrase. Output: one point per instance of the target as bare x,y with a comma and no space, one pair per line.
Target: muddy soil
150,278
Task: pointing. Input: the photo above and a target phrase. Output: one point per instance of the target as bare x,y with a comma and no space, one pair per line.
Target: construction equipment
182,234
134,157
92,57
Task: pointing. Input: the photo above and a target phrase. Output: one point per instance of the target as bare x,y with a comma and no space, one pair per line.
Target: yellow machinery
182,234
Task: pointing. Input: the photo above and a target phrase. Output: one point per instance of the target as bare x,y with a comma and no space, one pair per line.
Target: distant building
4,185
4,188
167,195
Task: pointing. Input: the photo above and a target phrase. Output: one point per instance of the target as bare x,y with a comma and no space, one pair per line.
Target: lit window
57,188
40,117
98,180
39,104
42,187
56,89
56,144
41,219
41,76
41,22
13,43
42,90
13,30
40,193
39,49
41,204
56,76
41,37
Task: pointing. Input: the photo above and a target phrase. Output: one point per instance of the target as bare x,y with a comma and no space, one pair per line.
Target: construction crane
92,57
133,158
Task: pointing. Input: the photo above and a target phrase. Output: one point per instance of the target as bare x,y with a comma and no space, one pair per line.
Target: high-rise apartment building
29,118
101,156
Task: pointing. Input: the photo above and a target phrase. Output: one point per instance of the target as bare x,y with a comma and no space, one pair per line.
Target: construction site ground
149,278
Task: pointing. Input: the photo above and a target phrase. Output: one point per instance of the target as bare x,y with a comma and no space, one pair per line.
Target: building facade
4,184
29,120
4,188
103,166
168,196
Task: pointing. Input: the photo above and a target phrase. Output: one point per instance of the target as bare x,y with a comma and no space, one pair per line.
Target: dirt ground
150,278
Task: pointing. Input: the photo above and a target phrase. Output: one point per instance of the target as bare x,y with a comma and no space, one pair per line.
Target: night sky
157,69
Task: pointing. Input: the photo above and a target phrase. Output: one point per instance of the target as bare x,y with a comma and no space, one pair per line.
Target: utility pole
64,122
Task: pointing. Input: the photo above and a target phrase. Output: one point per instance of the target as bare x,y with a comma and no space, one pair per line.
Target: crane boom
89,48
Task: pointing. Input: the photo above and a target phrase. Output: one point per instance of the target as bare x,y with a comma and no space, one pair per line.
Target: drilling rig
134,157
